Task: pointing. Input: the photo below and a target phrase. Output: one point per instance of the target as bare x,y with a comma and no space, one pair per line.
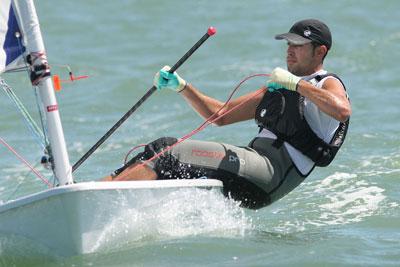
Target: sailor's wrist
184,87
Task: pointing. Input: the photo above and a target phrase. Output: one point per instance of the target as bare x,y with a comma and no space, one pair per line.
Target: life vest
282,112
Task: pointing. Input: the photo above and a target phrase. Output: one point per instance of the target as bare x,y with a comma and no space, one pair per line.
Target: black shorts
256,175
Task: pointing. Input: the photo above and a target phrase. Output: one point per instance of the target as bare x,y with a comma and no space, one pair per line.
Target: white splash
341,198
182,213
348,199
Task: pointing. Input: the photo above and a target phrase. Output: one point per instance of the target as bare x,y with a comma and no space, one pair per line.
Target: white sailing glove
284,78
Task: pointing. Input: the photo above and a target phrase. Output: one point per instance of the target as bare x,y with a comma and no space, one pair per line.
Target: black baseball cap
307,31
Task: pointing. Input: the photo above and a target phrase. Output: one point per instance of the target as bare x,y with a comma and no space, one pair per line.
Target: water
345,215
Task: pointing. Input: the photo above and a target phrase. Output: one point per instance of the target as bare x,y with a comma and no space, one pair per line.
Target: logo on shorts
263,112
208,154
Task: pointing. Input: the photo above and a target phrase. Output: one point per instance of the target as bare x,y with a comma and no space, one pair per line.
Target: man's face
300,59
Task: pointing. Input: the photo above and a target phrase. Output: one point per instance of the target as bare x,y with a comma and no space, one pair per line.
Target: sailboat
70,217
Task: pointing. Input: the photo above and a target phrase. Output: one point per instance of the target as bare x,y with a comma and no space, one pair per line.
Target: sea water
347,214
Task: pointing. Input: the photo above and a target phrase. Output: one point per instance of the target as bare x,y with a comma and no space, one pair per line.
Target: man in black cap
303,115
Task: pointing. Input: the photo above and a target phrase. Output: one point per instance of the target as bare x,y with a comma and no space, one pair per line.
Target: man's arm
207,106
333,100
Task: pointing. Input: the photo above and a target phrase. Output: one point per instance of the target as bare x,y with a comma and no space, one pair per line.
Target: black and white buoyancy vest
282,112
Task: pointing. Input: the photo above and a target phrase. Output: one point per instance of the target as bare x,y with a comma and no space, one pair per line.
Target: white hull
70,220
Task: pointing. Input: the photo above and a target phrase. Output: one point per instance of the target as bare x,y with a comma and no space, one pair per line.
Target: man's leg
137,171
133,173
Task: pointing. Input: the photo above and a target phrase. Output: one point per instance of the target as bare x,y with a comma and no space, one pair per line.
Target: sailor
303,114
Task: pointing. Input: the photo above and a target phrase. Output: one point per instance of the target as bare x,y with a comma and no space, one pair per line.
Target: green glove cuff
272,86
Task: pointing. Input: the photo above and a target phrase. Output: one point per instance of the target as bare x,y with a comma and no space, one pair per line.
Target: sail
11,47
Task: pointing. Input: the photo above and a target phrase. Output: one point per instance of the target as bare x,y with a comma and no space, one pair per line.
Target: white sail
11,46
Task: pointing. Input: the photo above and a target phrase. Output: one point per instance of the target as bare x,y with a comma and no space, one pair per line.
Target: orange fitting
56,82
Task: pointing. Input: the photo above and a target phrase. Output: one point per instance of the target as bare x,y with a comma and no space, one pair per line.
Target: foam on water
340,198
377,165
348,201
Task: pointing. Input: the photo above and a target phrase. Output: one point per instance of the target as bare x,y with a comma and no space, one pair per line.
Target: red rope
37,173
209,120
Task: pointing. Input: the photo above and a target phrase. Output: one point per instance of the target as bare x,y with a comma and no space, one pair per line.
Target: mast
29,24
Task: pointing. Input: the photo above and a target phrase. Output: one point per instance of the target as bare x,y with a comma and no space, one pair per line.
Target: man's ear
322,50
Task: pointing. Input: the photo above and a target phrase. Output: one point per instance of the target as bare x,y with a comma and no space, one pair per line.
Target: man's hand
164,79
284,78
